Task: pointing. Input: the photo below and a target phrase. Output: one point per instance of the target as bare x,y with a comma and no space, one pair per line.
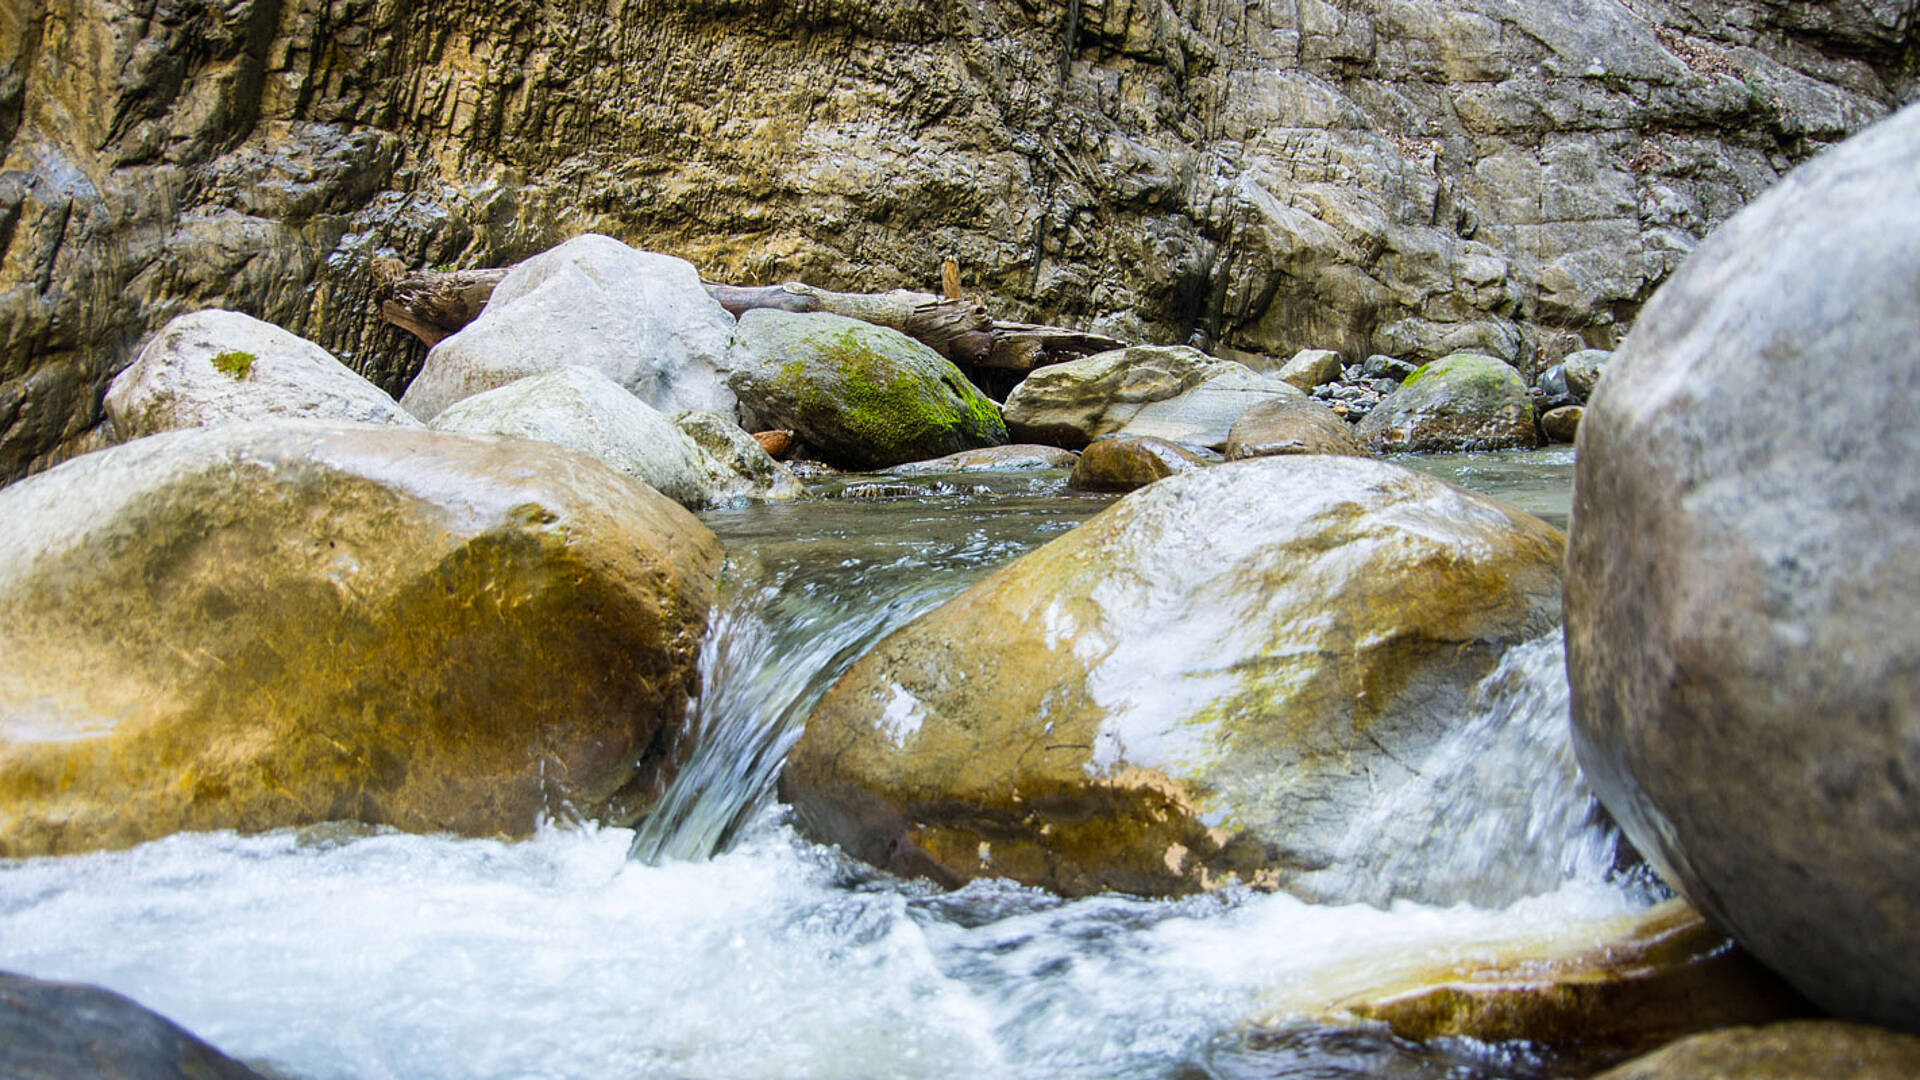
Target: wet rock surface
1740,633
863,396
221,367
64,1031
1201,684
1370,175
262,625
1596,992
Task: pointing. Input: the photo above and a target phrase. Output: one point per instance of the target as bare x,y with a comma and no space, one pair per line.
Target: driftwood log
433,305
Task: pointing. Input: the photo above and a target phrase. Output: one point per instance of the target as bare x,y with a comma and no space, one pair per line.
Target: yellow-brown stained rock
272,624
1595,993
1204,682
1798,1049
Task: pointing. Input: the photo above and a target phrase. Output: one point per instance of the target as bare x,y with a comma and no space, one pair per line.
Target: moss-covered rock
1205,682
262,625
1464,401
863,396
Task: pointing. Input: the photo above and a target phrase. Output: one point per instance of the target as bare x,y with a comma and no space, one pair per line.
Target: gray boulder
222,367
639,318
582,409
57,1030
1465,401
864,396
1741,632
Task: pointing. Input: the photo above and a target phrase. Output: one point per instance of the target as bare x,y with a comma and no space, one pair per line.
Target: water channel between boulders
717,943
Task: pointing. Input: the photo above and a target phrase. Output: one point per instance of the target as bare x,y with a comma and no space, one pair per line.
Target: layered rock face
1400,176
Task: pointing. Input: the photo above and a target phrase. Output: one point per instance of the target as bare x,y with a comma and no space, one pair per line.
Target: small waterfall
1499,811
758,684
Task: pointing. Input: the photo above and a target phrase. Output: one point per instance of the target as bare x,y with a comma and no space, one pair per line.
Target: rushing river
716,943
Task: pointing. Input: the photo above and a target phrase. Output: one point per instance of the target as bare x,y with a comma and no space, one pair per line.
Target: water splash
1499,810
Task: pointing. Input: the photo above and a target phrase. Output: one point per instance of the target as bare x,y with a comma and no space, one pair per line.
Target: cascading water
346,952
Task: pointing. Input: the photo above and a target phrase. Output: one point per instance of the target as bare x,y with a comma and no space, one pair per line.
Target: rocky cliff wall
1401,176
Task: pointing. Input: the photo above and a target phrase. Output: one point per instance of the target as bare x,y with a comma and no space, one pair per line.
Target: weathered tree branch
432,306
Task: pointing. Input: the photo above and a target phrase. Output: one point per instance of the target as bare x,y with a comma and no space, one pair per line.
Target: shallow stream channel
717,943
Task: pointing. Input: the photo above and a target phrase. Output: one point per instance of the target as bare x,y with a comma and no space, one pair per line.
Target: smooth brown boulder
1742,640
1126,462
1563,424
1301,426
1205,682
1795,1050
263,625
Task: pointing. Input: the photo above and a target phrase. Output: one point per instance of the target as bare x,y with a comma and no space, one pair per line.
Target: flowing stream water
715,943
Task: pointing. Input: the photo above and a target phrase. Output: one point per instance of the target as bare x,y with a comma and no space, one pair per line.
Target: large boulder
1583,369
63,1031
1207,681
1073,403
222,367
1741,632
863,396
1291,426
582,409
640,318
262,625
1794,1050
1465,401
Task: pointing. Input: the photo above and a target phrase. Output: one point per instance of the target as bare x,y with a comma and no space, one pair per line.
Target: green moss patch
234,364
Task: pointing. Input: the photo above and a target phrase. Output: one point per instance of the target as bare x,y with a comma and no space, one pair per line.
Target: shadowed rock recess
1411,178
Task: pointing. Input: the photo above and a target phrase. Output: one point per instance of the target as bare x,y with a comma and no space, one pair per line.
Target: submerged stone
863,396
265,625
1204,683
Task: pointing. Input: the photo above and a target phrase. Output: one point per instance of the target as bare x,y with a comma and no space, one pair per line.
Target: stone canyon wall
1398,176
